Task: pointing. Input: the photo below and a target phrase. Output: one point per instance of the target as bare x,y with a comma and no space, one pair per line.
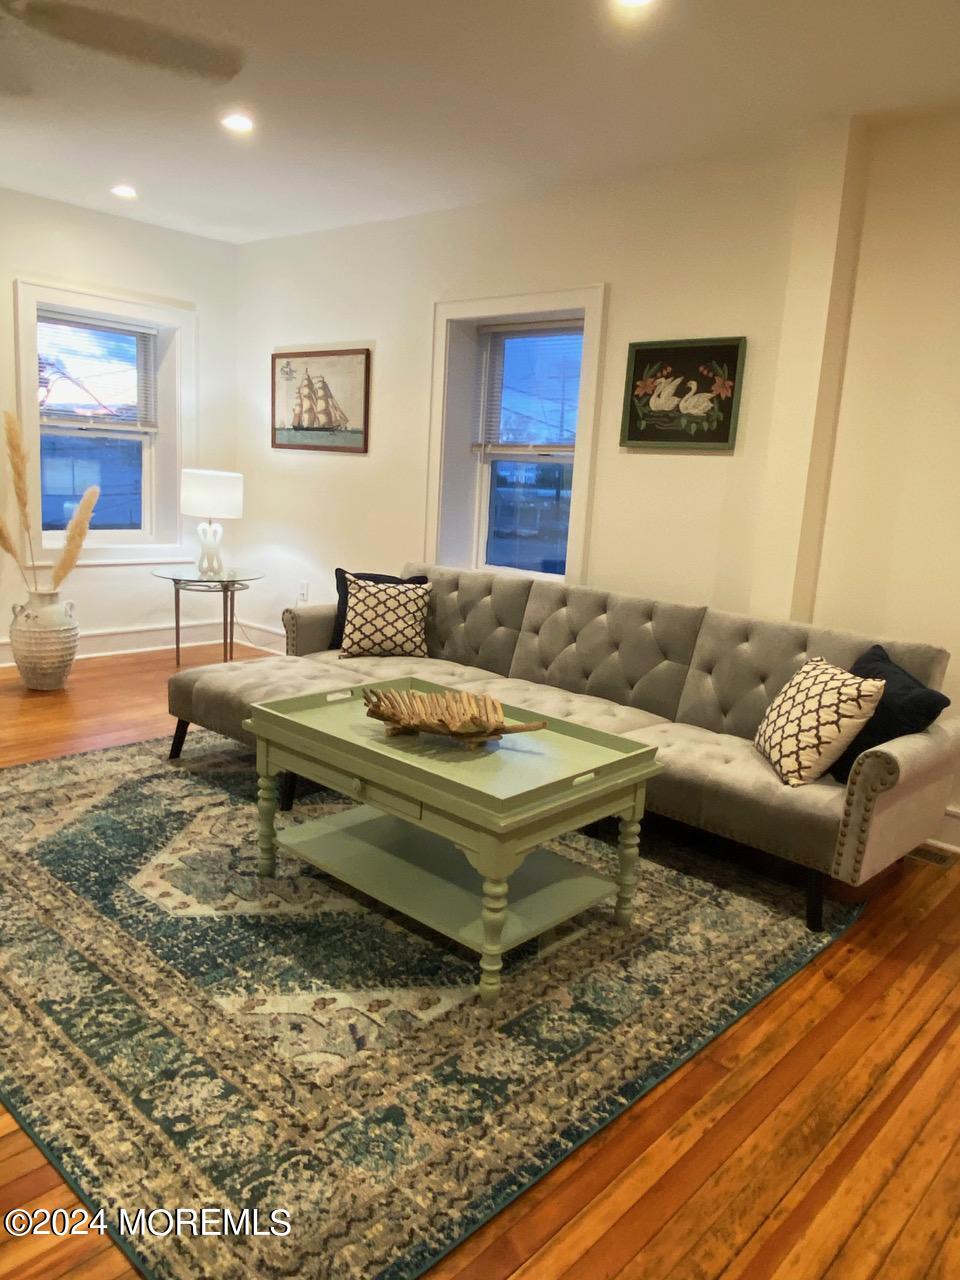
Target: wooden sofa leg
288,791
179,734
815,884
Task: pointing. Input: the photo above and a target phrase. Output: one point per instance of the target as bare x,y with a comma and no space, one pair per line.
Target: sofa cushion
343,592
813,719
474,617
622,648
740,664
907,706
437,670
219,697
595,713
385,619
718,781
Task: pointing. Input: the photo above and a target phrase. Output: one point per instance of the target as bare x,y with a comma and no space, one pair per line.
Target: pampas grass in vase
44,632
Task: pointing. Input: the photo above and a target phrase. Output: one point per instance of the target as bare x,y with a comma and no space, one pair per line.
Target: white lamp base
210,563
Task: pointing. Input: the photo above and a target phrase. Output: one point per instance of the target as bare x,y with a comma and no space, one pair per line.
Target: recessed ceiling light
124,191
237,122
634,4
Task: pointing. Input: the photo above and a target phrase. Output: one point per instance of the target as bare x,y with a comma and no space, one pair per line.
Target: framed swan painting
683,394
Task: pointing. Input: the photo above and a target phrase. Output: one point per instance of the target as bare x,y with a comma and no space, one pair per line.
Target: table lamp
212,496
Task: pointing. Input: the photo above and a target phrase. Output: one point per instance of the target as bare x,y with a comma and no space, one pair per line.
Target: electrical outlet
304,595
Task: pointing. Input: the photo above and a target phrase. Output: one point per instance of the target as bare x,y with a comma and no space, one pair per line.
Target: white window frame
167,449
532,453
453,385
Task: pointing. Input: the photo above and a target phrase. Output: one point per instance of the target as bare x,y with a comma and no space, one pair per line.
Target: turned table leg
493,915
267,809
627,852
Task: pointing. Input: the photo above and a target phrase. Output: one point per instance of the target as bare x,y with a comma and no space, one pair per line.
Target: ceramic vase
43,637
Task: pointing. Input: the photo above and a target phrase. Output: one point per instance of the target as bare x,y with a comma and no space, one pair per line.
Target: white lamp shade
211,495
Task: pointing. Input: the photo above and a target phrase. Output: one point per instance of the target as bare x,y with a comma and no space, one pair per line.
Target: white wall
891,551
59,244
699,252
731,249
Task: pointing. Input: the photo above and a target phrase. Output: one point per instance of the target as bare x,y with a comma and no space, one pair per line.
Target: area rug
175,1038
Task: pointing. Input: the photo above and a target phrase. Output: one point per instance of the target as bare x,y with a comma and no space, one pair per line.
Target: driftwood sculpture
471,718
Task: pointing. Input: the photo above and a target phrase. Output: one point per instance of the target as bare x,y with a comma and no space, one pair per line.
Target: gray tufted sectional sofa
692,681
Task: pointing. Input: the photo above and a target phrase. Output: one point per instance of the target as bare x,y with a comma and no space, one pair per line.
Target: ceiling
372,109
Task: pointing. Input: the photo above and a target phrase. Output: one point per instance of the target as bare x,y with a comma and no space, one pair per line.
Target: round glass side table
227,583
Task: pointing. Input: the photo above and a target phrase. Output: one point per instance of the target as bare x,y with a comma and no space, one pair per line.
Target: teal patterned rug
175,1039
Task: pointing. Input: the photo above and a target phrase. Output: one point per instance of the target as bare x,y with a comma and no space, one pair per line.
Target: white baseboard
103,641
948,837
262,637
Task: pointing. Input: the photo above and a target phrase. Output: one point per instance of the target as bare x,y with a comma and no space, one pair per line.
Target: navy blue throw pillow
907,706
336,640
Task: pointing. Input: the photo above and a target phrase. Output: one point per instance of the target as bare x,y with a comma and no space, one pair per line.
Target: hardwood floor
818,1137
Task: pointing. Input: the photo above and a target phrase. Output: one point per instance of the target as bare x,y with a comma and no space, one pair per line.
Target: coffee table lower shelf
427,878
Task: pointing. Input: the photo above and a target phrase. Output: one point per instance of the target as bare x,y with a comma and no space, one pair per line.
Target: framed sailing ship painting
321,400
683,394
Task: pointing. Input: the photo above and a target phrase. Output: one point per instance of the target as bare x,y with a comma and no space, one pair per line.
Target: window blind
531,387
96,373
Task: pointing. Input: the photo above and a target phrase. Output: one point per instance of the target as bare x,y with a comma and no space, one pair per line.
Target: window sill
527,573
122,556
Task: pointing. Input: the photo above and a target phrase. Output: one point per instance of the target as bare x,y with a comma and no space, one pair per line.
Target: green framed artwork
683,394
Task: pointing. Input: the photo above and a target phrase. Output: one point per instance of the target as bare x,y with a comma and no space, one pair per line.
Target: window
97,392
528,430
108,396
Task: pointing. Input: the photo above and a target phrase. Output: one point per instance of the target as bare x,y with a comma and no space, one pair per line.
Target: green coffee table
449,837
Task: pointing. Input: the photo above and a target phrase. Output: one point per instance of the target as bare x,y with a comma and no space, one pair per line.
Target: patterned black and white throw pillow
385,619
814,718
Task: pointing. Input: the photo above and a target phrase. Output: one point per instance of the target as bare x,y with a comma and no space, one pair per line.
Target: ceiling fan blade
129,38
13,82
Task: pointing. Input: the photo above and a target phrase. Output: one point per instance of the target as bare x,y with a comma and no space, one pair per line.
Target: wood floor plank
107,1264
36,1182
946,1264
877,1230
532,1219
916,1248
849,1030
12,1143
107,701
32,1257
838,969
24,1162
803,1237
727,1115
888,926
522,1236
722,1216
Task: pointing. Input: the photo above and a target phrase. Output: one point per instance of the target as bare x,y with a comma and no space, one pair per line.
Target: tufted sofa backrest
474,617
740,664
630,650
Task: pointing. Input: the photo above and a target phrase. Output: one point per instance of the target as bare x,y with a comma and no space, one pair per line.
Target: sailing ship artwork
683,394
321,400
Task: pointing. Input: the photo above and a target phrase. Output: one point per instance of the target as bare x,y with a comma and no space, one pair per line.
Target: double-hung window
97,389
528,429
